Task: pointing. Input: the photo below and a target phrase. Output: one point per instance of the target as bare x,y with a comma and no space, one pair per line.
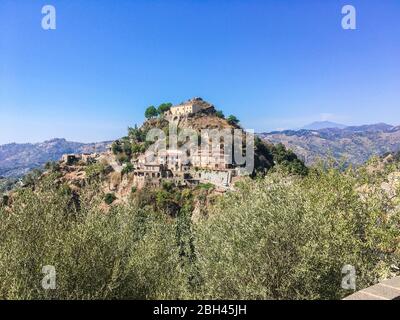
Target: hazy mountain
356,143
318,125
17,159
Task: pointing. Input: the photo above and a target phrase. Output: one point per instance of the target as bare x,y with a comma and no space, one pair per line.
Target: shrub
275,237
4,200
95,171
168,185
128,168
288,238
136,134
166,203
164,107
109,198
122,158
219,114
206,186
233,120
288,160
116,147
126,254
31,178
52,166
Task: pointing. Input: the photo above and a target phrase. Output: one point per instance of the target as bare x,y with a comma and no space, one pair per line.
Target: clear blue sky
274,64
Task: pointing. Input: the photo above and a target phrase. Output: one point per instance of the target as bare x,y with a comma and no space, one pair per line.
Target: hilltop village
132,164
180,162
208,165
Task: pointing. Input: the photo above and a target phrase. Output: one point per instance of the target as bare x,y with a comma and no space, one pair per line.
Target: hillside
18,159
177,231
126,170
277,237
355,144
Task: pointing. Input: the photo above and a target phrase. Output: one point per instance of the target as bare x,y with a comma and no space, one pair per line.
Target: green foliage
31,178
185,238
206,186
233,120
122,158
95,171
128,147
219,114
52,166
165,202
4,200
128,168
288,160
168,185
136,134
281,236
109,198
263,160
269,156
122,148
164,107
7,184
138,148
127,254
167,199
116,147
288,238
151,112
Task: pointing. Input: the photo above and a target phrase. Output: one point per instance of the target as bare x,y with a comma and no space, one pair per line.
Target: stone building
189,107
85,158
211,159
204,166
70,159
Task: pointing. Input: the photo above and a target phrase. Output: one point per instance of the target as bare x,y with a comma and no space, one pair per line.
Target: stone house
189,107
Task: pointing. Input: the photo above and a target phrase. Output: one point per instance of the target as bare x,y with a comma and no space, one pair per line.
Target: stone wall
219,178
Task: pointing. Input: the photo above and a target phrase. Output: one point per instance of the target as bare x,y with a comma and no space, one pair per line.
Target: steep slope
169,181
125,171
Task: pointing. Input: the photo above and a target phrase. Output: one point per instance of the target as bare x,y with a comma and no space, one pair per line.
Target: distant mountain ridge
18,159
318,125
356,144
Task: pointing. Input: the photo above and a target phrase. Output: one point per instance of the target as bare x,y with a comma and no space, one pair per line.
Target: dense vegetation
282,236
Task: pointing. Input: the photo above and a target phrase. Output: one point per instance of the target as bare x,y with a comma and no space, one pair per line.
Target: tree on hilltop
233,120
219,114
151,112
164,107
